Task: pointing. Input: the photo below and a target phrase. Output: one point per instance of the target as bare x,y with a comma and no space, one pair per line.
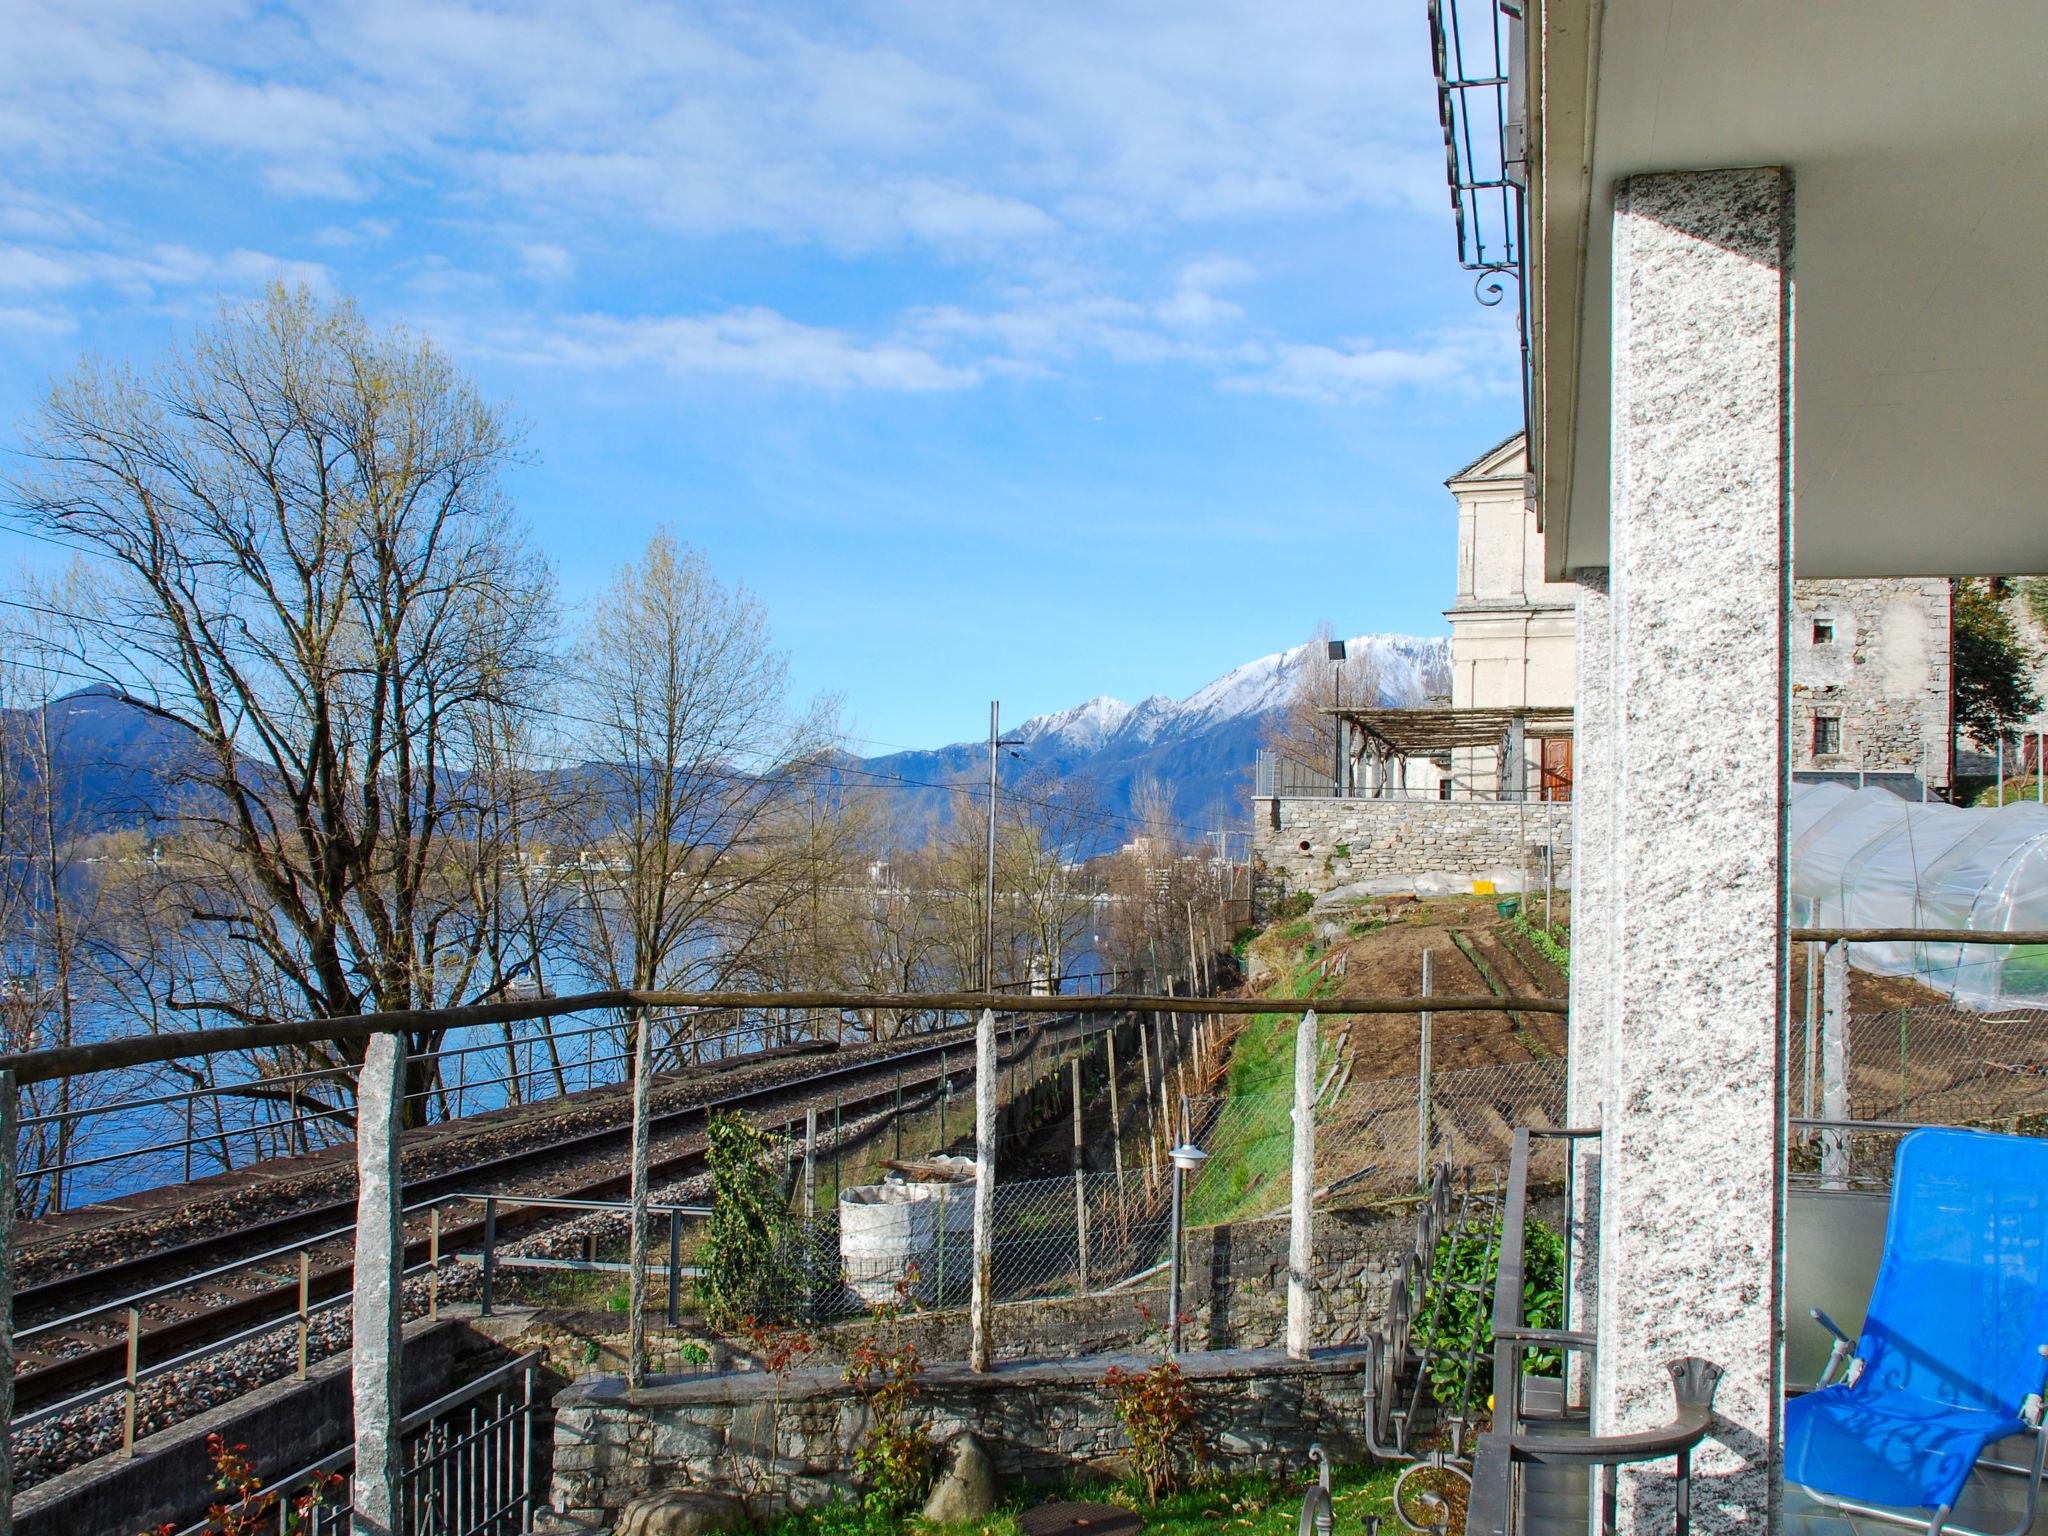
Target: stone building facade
1871,700
1512,631
1871,680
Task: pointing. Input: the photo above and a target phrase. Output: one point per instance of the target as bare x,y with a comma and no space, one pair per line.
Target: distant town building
1477,786
1869,658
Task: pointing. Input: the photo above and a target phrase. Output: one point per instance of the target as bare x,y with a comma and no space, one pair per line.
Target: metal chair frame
1844,1365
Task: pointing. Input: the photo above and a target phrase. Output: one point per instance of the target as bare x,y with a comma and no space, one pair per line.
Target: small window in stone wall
1823,634
1827,735
1443,789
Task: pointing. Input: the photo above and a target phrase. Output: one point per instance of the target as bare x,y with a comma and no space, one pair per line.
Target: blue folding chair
1954,1348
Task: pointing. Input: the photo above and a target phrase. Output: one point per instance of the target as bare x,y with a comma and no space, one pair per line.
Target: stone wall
1873,654
1317,845
787,1441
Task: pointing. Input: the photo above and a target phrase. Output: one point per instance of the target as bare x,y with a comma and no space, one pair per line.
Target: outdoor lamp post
1187,1158
1337,654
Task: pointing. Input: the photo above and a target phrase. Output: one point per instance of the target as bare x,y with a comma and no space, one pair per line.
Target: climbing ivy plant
747,1267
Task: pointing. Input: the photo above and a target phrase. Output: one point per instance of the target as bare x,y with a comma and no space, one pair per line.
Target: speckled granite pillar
1692,1155
1592,940
380,1257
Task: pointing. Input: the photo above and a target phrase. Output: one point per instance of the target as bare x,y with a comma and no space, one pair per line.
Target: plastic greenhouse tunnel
1869,859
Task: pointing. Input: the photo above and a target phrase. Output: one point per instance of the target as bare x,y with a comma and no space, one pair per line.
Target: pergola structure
1388,738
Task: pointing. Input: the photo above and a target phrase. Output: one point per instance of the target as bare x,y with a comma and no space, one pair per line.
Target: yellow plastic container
1482,887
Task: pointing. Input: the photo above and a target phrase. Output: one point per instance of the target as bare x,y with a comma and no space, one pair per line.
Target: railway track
72,1331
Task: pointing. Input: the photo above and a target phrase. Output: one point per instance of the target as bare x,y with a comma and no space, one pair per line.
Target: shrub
1452,1316
895,1457
747,1266
1295,904
246,1506
1157,1409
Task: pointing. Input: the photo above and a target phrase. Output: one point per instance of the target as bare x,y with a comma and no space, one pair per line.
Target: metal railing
285,1120
1481,106
1276,776
1500,1454
469,1469
380,1254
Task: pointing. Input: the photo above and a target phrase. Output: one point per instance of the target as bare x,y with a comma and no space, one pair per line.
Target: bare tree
696,756
1303,729
310,565
45,902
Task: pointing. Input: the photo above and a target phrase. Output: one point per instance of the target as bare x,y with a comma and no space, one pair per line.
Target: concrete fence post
378,1317
1080,1178
636,1238
9,1119
984,1189
1301,1224
1834,1062
1151,1102
1422,1116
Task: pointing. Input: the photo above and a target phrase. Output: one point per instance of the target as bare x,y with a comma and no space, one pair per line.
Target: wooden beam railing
142,1050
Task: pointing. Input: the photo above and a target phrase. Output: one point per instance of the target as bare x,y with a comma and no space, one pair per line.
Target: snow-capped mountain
118,765
1200,748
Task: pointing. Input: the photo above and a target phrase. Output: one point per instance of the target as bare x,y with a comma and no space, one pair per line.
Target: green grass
1248,1505
2017,787
1252,1152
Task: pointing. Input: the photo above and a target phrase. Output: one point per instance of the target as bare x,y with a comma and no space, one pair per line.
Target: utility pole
1337,659
988,912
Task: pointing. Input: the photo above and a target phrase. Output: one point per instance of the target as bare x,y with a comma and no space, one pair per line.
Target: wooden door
1557,768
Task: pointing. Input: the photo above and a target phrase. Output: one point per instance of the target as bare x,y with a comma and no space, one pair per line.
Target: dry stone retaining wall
787,1441
1316,845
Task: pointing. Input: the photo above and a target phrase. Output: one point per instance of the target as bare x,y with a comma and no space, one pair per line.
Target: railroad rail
84,1347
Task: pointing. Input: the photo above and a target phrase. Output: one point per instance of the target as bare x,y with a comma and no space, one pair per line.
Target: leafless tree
51,915
1303,729
311,566
696,758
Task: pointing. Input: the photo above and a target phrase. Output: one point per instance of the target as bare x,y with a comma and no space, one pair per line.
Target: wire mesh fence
1101,1231
1934,1064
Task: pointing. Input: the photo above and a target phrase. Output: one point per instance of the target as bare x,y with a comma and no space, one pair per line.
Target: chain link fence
1937,1064
1103,1231
1064,1236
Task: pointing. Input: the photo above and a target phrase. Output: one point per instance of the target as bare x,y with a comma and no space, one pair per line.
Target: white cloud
981,125
21,267
549,263
1478,360
751,343
361,232
152,270
35,322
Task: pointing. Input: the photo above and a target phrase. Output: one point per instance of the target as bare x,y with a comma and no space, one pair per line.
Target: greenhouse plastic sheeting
1864,858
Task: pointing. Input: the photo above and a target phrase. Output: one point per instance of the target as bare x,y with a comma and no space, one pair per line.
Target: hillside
1200,748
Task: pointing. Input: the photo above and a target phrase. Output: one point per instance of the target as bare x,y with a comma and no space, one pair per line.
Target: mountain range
1199,749
115,762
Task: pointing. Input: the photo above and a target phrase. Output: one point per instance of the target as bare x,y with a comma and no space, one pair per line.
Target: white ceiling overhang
1917,139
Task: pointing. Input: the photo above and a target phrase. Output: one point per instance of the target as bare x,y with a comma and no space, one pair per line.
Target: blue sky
1028,351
